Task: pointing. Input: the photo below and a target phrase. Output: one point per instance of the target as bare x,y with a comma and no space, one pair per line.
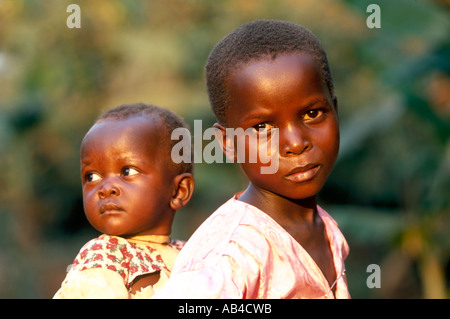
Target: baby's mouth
109,207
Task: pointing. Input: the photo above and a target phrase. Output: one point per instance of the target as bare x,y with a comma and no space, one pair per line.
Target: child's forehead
131,132
273,73
140,141
138,124
301,58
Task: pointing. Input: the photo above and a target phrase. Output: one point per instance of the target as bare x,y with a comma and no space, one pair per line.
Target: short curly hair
169,121
253,41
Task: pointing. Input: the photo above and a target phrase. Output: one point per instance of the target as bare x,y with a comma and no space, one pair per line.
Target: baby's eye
128,171
312,114
92,177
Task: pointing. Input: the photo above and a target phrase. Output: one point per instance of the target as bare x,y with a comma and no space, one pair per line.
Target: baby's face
127,182
288,94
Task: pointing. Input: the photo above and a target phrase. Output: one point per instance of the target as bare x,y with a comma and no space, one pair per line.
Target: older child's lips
303,174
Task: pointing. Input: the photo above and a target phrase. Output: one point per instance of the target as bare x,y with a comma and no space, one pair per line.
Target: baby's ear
226,144
184,187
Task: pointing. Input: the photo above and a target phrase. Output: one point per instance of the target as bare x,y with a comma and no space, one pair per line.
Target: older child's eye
262,127
92,177
128,171
312,114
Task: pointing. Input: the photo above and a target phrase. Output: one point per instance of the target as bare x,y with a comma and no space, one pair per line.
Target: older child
131,190
271,240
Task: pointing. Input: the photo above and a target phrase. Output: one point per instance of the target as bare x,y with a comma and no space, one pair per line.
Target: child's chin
301,194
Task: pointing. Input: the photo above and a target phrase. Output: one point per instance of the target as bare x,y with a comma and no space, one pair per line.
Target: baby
273,240
131,191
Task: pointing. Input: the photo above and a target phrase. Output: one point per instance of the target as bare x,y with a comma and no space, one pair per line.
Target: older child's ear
184,188
335,104
226,144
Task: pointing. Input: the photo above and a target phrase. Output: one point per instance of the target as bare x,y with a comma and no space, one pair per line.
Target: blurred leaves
389,190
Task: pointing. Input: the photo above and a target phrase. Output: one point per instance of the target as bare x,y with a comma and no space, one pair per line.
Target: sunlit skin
129,188
289,94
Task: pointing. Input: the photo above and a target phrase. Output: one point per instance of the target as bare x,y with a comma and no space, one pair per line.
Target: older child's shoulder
234,226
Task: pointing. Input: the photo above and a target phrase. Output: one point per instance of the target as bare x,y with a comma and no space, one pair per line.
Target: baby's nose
109,188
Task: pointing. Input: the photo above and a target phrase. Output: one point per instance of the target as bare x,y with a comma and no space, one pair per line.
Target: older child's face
287,93
127,184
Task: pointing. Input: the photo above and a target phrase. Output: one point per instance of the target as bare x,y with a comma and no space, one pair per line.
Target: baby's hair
169,121
253,41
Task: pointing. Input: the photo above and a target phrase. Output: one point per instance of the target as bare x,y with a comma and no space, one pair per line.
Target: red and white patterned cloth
93,274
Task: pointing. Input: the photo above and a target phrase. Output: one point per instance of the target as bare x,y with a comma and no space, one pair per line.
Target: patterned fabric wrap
129,259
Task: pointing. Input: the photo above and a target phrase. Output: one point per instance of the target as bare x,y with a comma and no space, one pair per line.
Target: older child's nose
293,141
108,189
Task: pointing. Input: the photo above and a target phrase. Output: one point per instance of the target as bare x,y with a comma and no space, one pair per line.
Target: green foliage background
389,190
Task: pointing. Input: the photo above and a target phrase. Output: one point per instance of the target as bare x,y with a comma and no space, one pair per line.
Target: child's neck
301,220
283,210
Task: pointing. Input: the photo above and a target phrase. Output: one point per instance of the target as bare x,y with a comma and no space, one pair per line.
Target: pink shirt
241,252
